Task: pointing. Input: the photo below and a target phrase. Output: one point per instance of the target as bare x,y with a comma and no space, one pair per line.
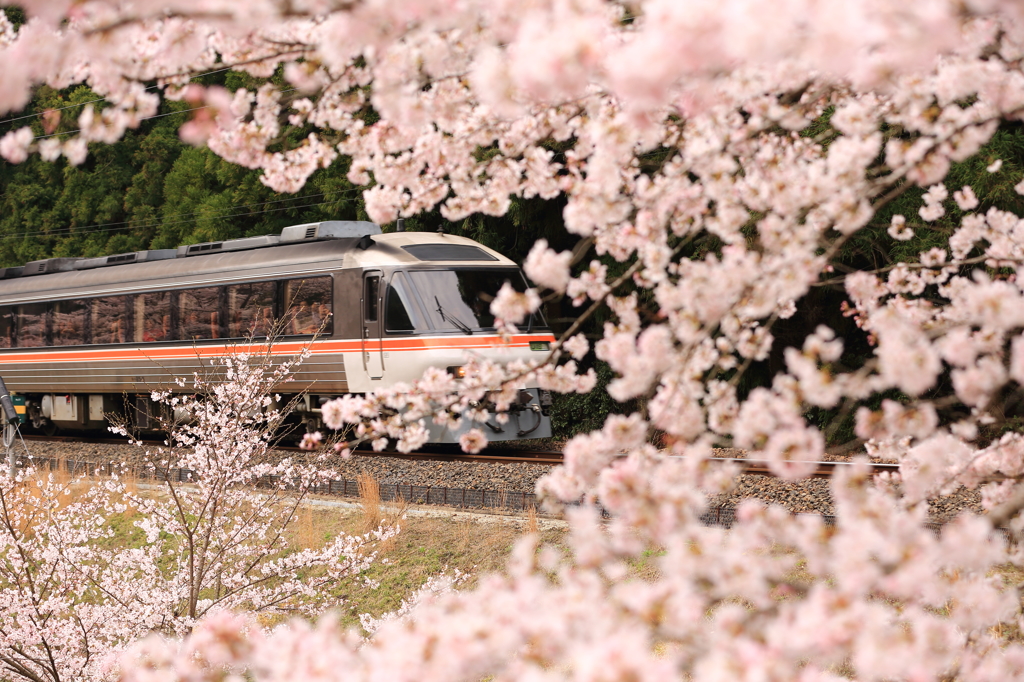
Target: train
82,339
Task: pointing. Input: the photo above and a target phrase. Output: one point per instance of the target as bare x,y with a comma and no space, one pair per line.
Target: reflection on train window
110,319
153,316
402,313
199,314
308,302
251,309
31,325
6,327
69,323
461,299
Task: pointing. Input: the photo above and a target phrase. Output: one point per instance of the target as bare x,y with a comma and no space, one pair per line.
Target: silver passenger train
82,338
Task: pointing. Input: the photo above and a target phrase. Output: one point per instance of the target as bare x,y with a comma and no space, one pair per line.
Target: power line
110,227
195,213
78,130
101,99
147,118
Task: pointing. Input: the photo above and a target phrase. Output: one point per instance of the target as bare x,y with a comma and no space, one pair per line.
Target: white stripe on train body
81,334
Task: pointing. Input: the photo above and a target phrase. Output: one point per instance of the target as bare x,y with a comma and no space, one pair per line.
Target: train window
460,300
153,316
461,252
199,313
308,302
371,294
70,323
31,325
251,309
110,320
6,327
402,314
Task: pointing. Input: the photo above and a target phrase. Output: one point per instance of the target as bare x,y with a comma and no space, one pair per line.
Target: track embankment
499,479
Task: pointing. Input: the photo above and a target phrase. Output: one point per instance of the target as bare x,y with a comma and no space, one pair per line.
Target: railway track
501,488
496,455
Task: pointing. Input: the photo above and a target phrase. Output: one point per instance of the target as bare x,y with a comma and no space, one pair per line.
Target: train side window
153,317
6,327
70,323
31,325
397,319
110,319
402,314
251,309
199,314
371,292
309,305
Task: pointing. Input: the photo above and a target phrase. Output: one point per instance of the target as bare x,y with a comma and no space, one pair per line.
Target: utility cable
177,222
101,99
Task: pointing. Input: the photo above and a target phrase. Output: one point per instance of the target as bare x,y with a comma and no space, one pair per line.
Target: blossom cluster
73,596
879,595
717,157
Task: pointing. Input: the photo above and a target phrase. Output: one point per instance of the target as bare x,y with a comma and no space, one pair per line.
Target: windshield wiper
445,316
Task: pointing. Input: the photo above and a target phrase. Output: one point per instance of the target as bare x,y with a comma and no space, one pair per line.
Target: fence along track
463,498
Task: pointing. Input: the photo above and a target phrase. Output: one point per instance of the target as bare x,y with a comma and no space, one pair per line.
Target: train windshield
449,300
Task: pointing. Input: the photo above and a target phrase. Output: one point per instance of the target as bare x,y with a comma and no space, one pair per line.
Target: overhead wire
111,227
100,99
193,213
148,118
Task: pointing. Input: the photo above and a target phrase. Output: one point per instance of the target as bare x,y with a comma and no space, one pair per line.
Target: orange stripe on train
285,348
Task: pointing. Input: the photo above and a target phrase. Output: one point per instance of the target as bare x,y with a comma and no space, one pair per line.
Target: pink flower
14,146
547,268
965,198
513,306
310,441
473,441
898,229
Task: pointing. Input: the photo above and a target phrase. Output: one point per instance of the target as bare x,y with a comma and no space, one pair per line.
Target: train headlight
457,371
540,345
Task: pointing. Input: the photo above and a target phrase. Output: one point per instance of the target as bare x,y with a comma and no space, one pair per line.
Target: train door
373,348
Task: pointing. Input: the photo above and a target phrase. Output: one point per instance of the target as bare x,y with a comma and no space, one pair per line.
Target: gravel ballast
499,476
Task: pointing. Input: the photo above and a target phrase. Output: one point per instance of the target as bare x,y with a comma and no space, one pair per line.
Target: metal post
10,419
9,432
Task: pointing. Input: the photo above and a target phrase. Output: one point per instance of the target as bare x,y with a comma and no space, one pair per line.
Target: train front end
425,302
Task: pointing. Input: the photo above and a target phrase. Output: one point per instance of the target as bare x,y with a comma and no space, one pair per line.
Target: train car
84,338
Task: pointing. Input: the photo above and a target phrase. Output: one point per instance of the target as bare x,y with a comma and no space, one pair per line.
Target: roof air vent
10,273
203,248
125,258
229,245
329,229
45,267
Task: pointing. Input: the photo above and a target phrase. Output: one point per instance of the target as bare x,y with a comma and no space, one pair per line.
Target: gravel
805,496
812,496
473,475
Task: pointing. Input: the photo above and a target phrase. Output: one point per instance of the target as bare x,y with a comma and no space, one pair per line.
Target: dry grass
305,535
531,520
426,546
369,500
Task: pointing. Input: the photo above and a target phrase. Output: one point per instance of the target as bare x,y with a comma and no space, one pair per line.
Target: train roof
301,250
